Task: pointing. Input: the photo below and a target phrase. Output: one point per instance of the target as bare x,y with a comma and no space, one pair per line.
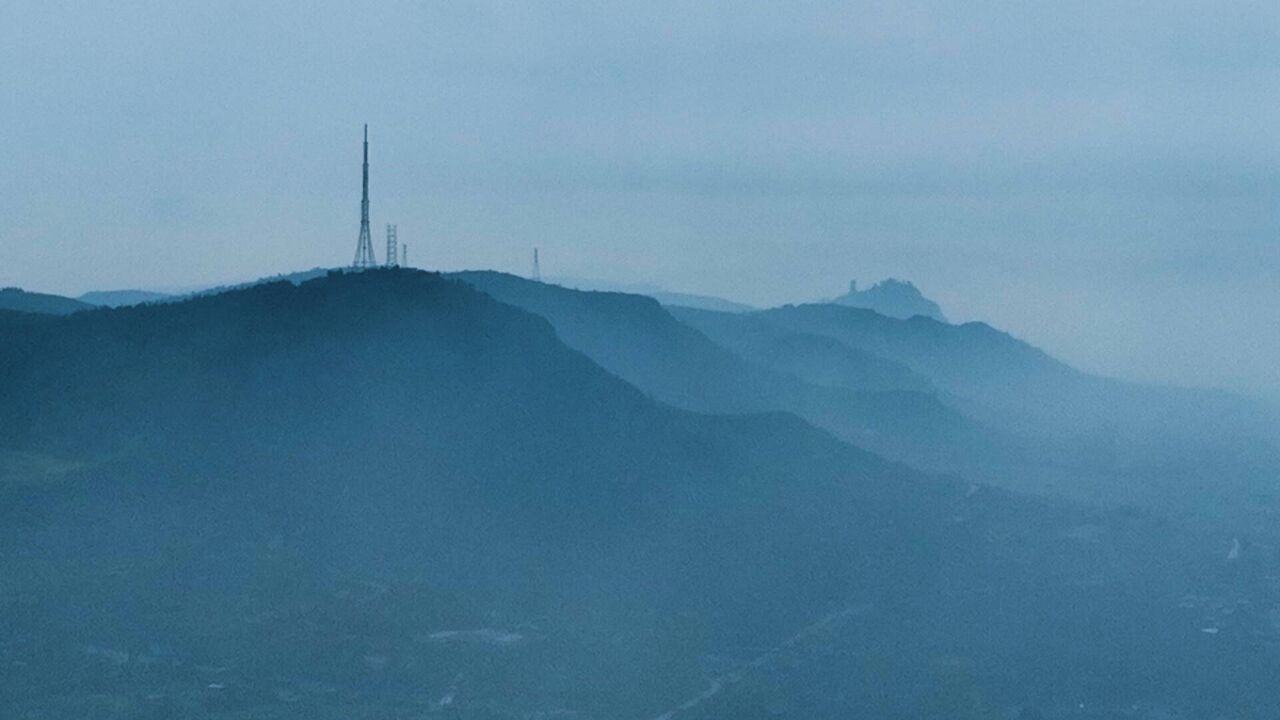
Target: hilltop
893,298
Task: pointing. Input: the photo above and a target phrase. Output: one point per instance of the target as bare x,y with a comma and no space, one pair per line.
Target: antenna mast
364,248
393,253
537,270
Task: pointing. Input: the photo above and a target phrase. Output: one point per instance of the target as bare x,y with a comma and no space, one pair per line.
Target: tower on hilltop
364,248
393,253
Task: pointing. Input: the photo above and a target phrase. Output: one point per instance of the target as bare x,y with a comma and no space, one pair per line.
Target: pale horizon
1099,181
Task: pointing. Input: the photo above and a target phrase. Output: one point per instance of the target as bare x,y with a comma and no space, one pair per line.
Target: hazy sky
1101,178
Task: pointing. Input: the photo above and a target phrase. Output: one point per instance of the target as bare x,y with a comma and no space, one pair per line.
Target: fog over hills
818,360
387,493
889,410
118,298
960,399
662,295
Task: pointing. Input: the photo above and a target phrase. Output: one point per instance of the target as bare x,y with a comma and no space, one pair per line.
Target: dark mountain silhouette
16,318
815,357
386,494
20,300
119,298
636,338
1041,426
123,298
894,298
1089,437
973,359
300,276
1003,377
633,337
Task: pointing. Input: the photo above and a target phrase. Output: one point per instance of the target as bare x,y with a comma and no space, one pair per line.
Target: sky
1101,179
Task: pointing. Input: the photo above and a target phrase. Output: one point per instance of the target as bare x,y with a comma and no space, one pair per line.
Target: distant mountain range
636,338
120,298
19,300
962,399
390,493
894,298
666,297
22,301
966,399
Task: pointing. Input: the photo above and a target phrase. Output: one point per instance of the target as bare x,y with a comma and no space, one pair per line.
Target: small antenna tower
537,269
393,252
364,248
404,255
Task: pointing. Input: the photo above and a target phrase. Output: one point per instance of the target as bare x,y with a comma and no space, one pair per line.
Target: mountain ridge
19,300
369,492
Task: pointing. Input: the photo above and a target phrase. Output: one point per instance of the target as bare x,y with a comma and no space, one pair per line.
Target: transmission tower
404,255
364,248
393,252
537,270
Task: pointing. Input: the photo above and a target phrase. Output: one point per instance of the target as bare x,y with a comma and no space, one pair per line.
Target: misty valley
403,494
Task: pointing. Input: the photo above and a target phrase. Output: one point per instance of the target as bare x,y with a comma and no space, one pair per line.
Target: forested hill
386,493
20,300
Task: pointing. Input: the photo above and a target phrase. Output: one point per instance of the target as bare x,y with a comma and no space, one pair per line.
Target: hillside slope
891,411
386,494
999,376
1088,437
909,390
